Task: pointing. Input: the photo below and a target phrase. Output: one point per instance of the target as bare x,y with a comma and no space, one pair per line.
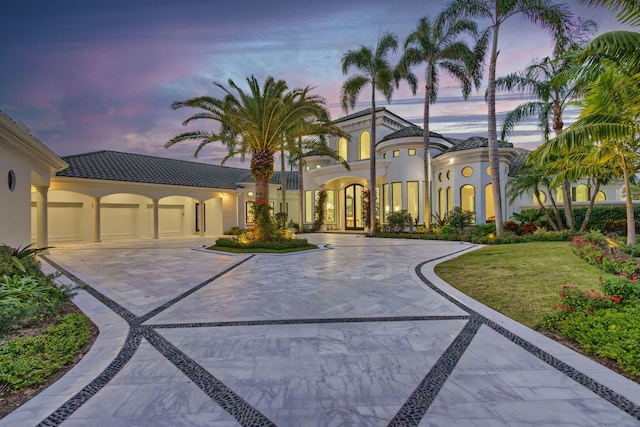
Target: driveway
358,333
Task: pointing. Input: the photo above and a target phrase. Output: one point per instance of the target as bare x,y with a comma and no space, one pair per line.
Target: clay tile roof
475,142
118,166
357,114
518,162
409,131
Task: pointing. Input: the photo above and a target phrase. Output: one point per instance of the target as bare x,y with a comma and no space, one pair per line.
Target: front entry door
353,207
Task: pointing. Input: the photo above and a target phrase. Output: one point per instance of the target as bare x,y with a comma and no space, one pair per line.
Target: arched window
365,145
343,148
442,203
468,198
449,205
601,196
581,193
489,207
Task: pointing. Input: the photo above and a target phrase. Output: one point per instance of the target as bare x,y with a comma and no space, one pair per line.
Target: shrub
24,298
281,219
234,231
601,214
529,227
622,288
511,226
28,361
461,219
399,219
277,245
25,257
594,249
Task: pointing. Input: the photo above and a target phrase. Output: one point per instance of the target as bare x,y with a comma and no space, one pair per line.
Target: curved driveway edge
362,334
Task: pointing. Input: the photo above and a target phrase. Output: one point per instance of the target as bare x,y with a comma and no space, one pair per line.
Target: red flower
262,202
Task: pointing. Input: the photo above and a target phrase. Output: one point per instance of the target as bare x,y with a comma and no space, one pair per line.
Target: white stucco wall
15,205
30,163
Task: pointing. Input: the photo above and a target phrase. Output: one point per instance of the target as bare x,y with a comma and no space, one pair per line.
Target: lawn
521,280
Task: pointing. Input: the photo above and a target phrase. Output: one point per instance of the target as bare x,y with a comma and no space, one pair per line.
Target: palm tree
255,123
554,83
437,45
575,165
609,125
530,181
553,17
376,71
627,10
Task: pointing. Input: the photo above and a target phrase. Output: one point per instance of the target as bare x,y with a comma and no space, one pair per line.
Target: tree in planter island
257,123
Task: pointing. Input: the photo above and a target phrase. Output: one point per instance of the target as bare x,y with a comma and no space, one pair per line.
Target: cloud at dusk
87,75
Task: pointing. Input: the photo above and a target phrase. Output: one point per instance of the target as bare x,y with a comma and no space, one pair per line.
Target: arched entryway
353,207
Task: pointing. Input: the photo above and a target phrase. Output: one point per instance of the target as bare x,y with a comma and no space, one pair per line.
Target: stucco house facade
108,195
26,167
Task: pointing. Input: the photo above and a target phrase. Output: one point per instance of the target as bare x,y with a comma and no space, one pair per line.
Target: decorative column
201,217
42,235
155,218
96,219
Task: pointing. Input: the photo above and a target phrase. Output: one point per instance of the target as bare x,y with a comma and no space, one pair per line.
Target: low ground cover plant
605,321
41,331
29,361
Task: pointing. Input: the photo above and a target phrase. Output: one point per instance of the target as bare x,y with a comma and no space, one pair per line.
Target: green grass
261,250
521,280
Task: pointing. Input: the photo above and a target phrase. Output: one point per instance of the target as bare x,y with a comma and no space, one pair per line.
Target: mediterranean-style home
114,195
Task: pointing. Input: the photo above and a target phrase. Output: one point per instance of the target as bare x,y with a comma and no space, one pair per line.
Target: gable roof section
118,166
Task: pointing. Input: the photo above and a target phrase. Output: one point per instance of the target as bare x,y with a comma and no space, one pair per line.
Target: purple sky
87,75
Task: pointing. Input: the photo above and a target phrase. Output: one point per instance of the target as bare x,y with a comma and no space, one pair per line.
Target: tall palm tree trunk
300,192
427,151
556,212
568,206
262,170
631,221
592,201
283,188
546,213
494,159
372,165
567,201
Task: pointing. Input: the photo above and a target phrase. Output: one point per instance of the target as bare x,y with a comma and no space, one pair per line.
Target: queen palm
627,10
437,45
609,125
553,17
554,85
375,70
610,120
256,122
530,181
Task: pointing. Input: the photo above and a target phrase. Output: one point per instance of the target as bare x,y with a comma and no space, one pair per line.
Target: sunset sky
87,75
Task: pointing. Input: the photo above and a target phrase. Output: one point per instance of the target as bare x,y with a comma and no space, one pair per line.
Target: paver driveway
359,333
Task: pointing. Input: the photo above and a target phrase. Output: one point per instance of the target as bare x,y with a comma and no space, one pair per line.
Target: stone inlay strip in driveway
348,336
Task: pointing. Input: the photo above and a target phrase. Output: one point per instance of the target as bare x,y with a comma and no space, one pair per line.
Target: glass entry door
353,207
